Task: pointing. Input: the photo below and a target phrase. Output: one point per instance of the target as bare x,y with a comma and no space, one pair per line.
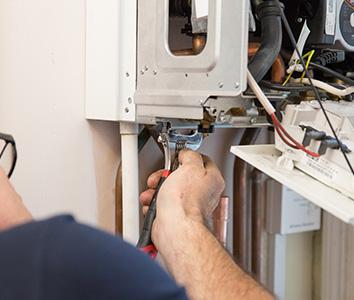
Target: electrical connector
330,56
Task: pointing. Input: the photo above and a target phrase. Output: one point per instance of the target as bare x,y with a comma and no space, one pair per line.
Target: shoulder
83,262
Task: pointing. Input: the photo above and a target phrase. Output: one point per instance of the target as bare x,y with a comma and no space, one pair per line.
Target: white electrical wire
326,87
259,94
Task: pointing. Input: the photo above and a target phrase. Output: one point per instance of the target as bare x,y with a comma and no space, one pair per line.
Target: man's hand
12,210
191,253
192,191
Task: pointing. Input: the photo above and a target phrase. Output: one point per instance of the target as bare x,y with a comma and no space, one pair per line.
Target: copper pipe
199,42
258,203
278,68
119,202
183,52
198,45
221,218
242,228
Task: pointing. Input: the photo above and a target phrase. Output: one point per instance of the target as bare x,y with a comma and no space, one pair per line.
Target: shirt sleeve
75,261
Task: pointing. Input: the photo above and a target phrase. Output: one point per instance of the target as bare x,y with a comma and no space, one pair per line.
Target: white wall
66,164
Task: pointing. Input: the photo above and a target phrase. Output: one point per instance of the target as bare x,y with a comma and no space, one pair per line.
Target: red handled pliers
145,242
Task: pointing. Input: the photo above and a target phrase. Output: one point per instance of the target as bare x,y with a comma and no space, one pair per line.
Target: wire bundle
282,132
284,135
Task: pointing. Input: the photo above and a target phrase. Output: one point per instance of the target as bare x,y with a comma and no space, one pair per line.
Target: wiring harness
283,134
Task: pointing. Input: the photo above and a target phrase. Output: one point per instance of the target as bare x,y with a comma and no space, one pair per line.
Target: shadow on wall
106,153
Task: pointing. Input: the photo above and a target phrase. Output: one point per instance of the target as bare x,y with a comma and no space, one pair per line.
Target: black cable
287,88
294,44
332,73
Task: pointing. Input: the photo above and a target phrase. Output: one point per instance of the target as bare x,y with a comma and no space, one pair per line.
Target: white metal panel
168,81
111,59
264,158
288,212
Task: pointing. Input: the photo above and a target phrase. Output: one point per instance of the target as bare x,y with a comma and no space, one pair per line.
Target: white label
304,35
322,167
298,214
201,8
331,17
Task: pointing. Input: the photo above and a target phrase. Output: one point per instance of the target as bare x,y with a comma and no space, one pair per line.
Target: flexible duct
271,39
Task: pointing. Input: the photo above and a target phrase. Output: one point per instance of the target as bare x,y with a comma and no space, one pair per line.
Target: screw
126,109
237,85
127,74
221,85
130,100
253,120
142,72
154,72
299,20
146,68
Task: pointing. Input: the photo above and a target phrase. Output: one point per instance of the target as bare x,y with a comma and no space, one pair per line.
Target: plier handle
145,242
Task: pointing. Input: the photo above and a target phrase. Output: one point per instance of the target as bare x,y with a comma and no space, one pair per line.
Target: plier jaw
165,141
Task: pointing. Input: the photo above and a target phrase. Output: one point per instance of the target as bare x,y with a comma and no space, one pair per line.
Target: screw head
142,72
130,100
154,72
220,85
237,85
146,68
127,74
253,120
126,110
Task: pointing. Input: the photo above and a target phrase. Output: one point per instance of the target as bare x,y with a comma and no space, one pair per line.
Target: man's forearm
198,262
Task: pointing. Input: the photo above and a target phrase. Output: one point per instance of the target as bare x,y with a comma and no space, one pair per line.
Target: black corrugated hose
271,39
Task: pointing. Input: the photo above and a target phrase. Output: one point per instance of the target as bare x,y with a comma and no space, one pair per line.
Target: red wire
284,139
293,143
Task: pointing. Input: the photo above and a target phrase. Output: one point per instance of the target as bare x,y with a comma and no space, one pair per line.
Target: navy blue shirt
61,259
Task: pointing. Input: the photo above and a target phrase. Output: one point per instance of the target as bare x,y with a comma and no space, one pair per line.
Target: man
60,259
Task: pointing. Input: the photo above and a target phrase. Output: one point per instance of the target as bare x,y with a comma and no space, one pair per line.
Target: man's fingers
190,158
209,165
146,196
214,172
154,179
